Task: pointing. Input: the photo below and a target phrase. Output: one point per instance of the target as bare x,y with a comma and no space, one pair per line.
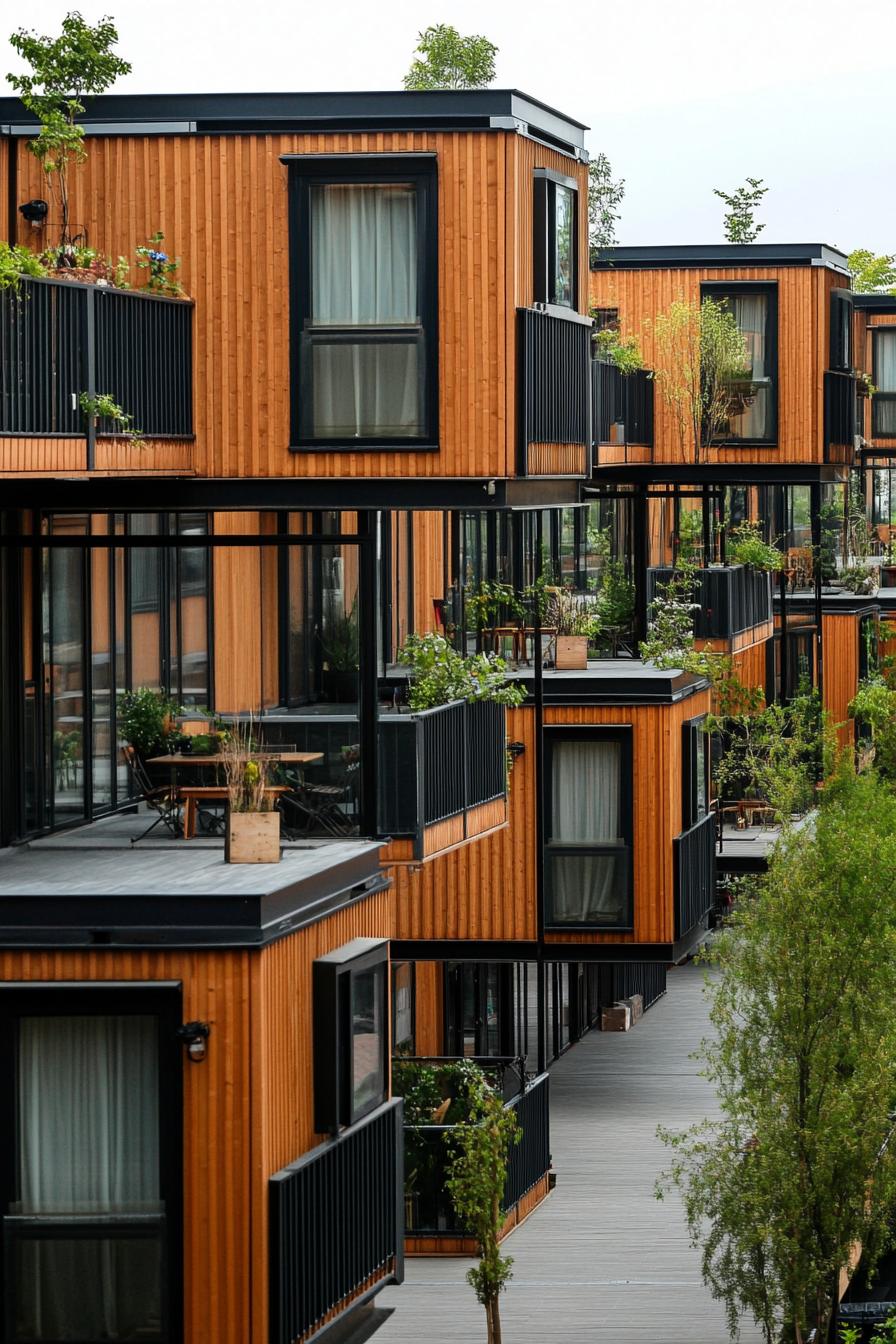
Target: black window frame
544,238
719,289
411,967
694,741
624,735
332,976
160,999
880,398
372,169
605,319
840,358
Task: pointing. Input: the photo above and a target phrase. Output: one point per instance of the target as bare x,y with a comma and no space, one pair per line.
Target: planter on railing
336,1224
730,599
554,421
841,417
428,1207
622,406
695,874
61,339
439,763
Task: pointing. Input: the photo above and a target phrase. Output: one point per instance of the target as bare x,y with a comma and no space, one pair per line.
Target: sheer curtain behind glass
586,888
750,313
885,370
364,275
88,1107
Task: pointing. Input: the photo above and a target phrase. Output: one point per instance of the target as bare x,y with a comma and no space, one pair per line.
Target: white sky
683,95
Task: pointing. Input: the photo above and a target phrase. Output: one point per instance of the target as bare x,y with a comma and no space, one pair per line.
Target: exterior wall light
516,748
35,212
194,1036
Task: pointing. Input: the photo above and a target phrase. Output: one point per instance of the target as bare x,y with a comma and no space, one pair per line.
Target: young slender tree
740,217
477,1172
800,1165
604,197
700,362
64,70
449,61
872,274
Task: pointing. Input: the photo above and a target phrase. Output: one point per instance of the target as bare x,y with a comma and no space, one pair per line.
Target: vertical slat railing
695,874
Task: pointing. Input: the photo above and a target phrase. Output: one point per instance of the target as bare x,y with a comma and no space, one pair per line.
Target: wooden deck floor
601,1261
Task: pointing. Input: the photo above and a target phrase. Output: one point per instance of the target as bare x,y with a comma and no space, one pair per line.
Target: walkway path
601,1261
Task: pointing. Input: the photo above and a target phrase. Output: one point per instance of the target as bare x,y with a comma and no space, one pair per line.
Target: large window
841,330
556,239
351,1038
755,395
88,1220
588,871
883,403
363,302
695,774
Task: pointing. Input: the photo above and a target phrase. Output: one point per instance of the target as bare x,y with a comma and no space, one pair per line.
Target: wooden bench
193,796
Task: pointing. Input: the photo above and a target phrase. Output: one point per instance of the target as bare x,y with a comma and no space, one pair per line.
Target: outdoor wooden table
218,792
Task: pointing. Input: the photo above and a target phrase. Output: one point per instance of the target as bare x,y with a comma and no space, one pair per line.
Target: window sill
365,446
589,928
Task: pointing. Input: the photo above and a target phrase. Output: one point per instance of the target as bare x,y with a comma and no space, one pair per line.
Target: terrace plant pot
571,653
252,837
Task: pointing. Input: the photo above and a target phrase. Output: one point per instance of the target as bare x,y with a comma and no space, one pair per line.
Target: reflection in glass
368,1043
564,238
65,591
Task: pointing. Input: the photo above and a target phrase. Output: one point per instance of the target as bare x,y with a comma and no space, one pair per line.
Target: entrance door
479,1008
89,1207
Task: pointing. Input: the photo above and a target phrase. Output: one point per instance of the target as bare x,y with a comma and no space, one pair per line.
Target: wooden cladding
221,202
840,652
803,347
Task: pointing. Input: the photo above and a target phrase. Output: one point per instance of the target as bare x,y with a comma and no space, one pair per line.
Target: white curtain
586,888
885,369
750,313
88,1105
364,275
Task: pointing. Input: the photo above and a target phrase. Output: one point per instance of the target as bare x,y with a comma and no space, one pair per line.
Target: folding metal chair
161,798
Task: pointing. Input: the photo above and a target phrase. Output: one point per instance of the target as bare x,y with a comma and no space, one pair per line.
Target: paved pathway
601,1261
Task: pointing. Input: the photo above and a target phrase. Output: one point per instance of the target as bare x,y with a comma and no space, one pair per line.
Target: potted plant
147,721
746,547
339,643
860,579
252,834
573,619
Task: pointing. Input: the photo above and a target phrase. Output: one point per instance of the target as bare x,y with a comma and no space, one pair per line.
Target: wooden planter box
571,653
252,837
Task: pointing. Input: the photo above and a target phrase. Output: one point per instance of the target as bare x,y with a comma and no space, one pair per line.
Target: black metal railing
729,599
622,406
336,1223
841,416
439,763
62,339
695,873
554,358
428,1207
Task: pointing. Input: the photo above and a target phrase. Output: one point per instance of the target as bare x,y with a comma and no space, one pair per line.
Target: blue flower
158,256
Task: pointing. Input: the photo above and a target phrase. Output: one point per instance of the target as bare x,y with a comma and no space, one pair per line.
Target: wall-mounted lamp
35,212
194,1036
516,748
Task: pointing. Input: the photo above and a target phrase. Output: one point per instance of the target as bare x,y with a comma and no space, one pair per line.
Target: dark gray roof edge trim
719,254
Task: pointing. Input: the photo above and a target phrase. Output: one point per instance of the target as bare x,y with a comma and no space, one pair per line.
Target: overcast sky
682,95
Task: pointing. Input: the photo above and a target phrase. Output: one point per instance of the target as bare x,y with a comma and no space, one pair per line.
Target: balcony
695,874
432,1225
344,1199
842,423
554,418
62,339
436,768
622,414
735,603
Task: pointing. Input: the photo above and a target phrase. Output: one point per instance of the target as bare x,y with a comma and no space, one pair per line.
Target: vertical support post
539,793
815,513
642,562
12,698
367,671
90,369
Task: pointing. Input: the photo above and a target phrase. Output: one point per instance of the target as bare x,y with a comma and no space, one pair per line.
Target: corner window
363,301
350,1033
883,403
588,868
695,775
841,331
754,407
556,239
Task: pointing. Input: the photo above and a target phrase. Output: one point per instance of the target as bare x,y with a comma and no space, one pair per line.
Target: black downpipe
367,670
815,501
539,800
642,562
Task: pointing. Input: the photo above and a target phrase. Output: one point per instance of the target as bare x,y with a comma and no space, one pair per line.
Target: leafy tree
799,1167
477,1172
65,70
604,196
740,222
449,61
872,274
439,674
702,369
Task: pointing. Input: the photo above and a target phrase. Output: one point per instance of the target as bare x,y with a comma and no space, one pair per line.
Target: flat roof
875,303
90,886
261,113
663,257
